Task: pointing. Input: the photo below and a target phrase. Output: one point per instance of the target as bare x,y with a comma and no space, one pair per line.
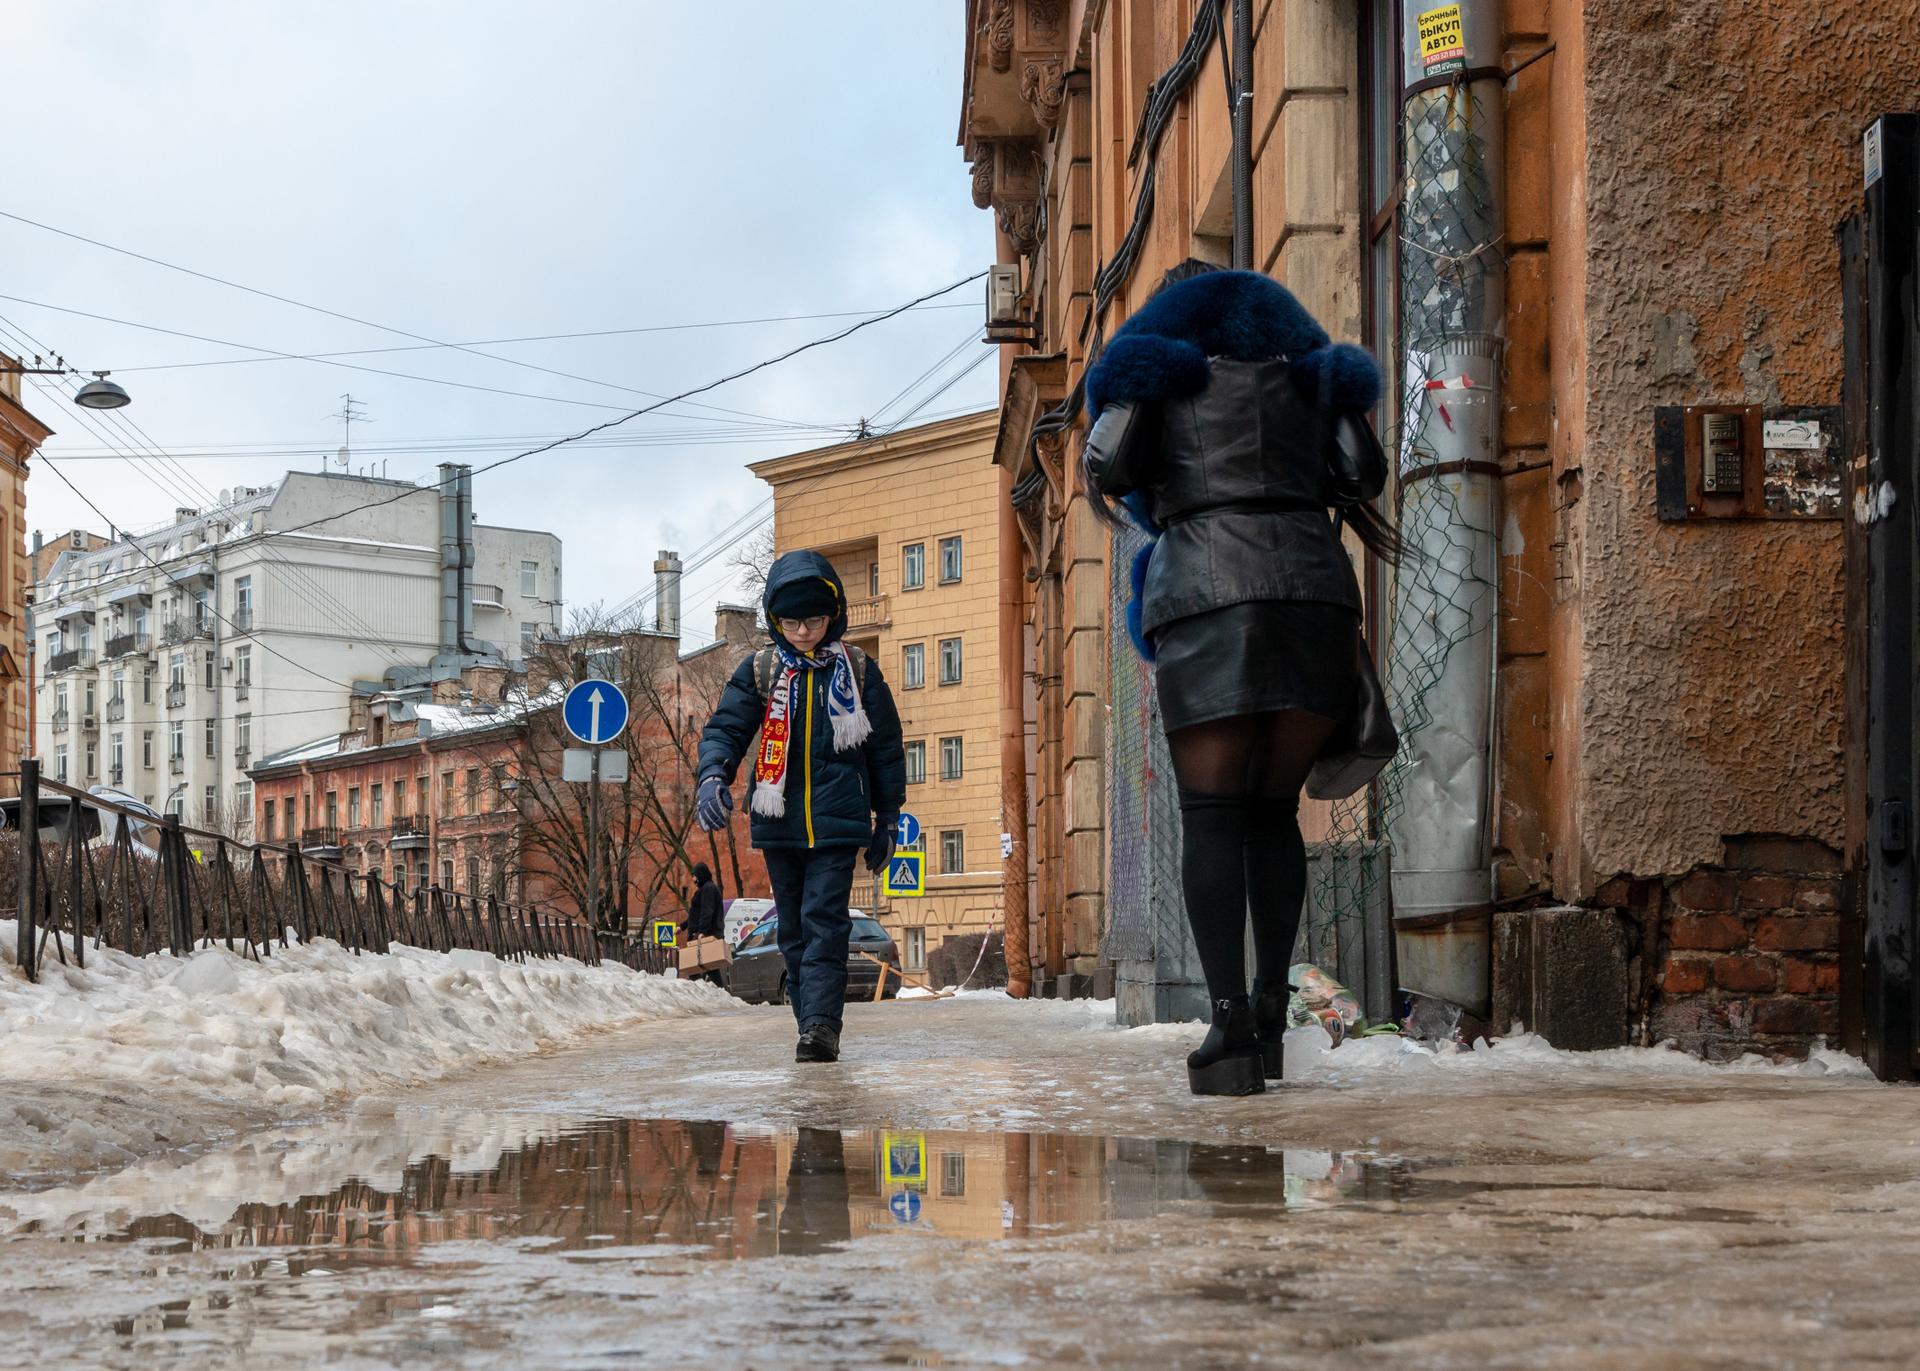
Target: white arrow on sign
594,727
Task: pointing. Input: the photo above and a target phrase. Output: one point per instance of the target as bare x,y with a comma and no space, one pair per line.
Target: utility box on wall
1749,462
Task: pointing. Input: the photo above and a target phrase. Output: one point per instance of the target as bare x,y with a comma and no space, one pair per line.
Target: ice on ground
106,1062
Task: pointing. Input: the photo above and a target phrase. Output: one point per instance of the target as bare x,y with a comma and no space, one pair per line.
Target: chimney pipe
450,557
666,598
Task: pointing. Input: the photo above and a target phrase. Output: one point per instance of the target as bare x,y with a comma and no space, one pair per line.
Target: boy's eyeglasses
816,624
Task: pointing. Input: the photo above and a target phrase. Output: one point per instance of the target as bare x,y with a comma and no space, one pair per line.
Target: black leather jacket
1240,477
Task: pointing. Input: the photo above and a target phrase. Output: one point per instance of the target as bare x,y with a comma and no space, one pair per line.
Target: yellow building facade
911,522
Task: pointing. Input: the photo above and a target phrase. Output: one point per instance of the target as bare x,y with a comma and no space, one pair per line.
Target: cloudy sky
479,171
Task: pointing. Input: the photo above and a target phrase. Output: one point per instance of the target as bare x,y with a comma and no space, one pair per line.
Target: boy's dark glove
715,805
880,850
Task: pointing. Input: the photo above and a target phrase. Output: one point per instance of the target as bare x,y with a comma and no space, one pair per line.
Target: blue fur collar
1161,352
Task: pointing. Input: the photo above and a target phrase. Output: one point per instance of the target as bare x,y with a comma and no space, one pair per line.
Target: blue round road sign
595,711
905,1206
907,832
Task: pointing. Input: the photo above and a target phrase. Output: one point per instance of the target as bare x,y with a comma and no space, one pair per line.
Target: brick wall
1750,953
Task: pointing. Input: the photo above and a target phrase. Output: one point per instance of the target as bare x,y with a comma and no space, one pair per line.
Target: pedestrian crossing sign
666,933
903,1159
906,875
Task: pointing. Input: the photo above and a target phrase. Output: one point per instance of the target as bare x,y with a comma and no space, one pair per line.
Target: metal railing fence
193,889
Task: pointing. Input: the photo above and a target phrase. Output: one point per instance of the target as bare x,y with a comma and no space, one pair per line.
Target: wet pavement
983,1183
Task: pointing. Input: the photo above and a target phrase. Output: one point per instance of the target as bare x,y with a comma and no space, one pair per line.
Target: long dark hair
1375,532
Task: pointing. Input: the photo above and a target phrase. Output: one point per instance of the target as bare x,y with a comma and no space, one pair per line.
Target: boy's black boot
1270,1026
818,1043
1229,1062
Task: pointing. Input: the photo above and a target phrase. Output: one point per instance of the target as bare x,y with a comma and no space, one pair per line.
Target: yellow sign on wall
1443,40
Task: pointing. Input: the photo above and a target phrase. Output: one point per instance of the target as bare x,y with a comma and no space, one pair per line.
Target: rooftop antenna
349,414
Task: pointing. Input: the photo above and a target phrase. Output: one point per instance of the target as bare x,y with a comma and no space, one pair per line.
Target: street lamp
100,393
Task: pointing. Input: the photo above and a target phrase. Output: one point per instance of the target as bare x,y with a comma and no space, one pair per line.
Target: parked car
759,973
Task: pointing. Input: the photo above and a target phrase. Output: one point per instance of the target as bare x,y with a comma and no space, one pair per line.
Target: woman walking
1228,425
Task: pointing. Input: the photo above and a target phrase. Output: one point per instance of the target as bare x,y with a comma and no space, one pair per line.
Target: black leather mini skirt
1257,658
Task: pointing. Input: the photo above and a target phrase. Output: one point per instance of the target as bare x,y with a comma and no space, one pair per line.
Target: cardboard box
704,954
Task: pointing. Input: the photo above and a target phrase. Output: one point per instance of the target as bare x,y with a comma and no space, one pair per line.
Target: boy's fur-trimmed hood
1162,351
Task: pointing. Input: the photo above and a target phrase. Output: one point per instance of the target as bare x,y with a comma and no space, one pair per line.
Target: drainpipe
1243,135
1452,316
1013,747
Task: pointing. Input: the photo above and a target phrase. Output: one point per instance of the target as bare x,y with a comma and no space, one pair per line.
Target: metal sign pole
593,843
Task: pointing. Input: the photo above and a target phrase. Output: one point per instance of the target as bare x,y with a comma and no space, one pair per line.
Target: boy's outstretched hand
715,804
880,850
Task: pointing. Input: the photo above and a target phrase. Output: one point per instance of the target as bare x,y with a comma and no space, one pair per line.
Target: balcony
127,644
176,695
488,597
242,689
186,630
61,721
407,833
320,842
116,709
870,615
242,620
117,776
177,764
73,659
242,753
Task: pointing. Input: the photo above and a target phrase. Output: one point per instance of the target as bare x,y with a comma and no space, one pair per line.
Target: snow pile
132,1052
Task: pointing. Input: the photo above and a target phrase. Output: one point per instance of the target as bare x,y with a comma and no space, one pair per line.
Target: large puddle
726,1193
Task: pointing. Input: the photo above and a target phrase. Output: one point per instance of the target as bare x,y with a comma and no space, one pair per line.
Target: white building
248,636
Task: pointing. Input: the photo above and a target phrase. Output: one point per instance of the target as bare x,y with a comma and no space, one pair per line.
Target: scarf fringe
851,730
768,802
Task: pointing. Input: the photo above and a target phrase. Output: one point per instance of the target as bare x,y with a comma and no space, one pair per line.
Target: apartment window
243,597
916,763
86,638
266,819
949,661
286,816
60,763
243,666
243,805
306,811
473,875
210,807
530,579
209,728
60,700
177,806
420,872
213,667
399,798
953,852
446,873
913,666
333,809
953,1173
529,637
949,561
140,621
243,734
146,748
873,579
916,949
446,799
146,686
473,790
177,739
177,669
952,759
202,609
118,695
353,806
93,761
89,698
377,802
913,566
117,757
420,802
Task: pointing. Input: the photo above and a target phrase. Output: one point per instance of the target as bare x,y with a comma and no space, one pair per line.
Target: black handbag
1366,739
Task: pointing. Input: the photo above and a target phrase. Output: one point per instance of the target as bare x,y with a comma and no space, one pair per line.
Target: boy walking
829,779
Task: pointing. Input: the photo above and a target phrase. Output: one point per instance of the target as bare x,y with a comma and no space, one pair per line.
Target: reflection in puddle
722,1192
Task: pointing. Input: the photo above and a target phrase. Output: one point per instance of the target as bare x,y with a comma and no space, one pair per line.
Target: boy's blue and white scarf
845,712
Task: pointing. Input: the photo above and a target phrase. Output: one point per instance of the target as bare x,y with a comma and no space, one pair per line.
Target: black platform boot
1270,1025
1229,1061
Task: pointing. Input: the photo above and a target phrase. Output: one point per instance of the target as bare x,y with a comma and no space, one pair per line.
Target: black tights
1240,781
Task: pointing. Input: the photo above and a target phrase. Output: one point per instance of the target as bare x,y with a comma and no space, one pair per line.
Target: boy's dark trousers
810,891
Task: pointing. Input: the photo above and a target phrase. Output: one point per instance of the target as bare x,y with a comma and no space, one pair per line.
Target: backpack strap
764,662
858,659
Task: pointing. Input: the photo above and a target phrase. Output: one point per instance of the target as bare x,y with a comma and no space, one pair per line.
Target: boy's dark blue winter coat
832,797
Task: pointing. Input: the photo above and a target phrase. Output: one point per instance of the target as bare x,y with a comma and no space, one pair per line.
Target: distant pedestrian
704,916
829,779
1228,424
